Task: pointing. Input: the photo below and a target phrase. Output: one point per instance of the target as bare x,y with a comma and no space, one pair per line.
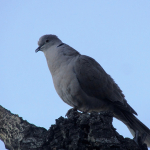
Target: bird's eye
47,41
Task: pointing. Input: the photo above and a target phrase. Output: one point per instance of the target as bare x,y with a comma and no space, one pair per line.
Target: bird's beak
38,49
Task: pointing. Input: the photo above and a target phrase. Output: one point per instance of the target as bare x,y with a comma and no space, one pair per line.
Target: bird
82,83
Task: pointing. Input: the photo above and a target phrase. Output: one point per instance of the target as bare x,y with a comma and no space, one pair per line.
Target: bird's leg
69,111
136,137
139,140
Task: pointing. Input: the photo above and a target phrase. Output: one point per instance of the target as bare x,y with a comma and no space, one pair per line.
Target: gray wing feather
95,82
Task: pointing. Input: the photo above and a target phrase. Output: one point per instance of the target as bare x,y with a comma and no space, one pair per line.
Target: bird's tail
134,125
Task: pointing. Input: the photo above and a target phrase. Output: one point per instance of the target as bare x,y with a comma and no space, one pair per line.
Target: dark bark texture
79,131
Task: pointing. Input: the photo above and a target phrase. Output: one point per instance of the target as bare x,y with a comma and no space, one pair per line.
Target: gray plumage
82,83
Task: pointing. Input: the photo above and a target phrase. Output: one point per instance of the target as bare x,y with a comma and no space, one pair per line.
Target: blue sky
115,33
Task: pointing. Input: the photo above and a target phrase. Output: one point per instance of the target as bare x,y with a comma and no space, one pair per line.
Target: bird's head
46,41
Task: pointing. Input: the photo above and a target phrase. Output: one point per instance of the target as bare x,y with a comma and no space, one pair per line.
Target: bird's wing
95,82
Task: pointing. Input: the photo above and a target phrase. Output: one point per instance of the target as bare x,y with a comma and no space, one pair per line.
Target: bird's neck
57,58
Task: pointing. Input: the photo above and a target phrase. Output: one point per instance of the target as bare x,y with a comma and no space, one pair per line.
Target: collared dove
82,83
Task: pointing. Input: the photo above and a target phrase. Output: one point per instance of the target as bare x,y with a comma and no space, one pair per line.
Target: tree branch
80,131
17,133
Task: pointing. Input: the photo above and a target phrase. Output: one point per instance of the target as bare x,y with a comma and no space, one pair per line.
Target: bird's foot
70,110
139,140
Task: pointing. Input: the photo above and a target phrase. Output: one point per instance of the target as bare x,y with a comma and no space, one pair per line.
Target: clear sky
115,33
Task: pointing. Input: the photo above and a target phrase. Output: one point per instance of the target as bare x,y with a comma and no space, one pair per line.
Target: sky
114,33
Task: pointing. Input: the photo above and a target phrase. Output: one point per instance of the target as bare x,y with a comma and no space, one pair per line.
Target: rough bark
80,131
